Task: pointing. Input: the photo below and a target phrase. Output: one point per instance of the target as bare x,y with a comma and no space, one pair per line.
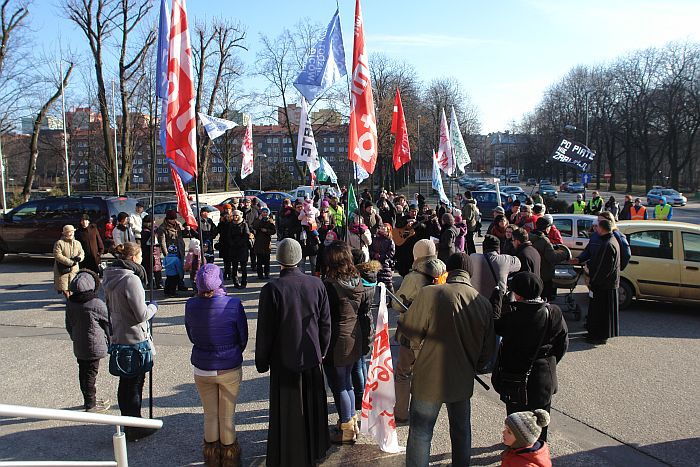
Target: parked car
274,199
305,191
531,182
159,210
34,227
252,192
545,181
575,187
665,263
220,207
548,191
564,187
511,189
673,197
513,179
486,202
575,230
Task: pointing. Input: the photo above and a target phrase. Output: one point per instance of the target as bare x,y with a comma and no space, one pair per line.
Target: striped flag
445,158
247,150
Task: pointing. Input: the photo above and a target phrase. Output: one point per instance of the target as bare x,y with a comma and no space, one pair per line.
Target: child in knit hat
173,271
192,261
520,434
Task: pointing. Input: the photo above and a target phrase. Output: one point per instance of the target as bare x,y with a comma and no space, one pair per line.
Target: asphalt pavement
631,402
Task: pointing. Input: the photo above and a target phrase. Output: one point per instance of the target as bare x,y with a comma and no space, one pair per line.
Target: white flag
437,181
445,157
326,173
306,144
247,150
215,126
379,398
360,173
459,149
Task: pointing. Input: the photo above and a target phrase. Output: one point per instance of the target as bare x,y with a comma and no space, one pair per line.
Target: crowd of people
461,314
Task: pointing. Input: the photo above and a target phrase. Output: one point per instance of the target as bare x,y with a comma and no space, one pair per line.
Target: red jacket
555,236
535,456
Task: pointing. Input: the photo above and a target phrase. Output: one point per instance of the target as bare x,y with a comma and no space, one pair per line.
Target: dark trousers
227,268
244,272
171,284
129,395
87,375
253,261
548,291
469,238
263,264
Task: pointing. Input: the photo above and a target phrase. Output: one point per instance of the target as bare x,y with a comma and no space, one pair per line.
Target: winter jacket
372,221
123,234
209,230
470,214
605,266
360,238
446,247
461,234
383,250
239,234
548,255
452,324
310,242
92,246
530,259
294,323
169,233
347,300
63,253
126,302
424,272
264,230
224,244
481,277
173,266
520,326
594,244
87,323
534,456
368,274
218,328
554,236
288,222
626,212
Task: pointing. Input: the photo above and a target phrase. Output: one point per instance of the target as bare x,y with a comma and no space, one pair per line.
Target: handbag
512,386
130,360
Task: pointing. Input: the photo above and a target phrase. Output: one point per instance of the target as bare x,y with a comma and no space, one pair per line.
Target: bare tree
13,19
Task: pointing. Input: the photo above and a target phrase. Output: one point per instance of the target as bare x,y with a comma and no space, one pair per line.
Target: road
631,402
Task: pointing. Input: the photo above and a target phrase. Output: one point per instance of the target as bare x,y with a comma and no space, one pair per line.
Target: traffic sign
585,178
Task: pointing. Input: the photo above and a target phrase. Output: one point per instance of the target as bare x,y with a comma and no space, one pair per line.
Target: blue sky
504,53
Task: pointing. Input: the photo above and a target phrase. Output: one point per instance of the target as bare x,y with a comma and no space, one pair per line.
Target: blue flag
437,182
162,66
325,64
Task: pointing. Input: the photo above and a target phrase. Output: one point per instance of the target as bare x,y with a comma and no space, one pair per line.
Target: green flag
352,201
459,149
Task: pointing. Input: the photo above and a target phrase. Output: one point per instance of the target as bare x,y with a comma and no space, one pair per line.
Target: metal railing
118,439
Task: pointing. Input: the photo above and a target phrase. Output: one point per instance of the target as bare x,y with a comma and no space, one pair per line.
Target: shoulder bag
512,386
129,360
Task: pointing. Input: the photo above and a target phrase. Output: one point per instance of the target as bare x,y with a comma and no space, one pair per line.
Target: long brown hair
338,261
127,250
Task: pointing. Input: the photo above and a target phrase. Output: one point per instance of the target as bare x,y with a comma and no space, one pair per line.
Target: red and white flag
445,157
362,140
183,205
402,150
181,122
379,398
247,150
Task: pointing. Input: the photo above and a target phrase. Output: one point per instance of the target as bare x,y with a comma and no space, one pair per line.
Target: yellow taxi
665,262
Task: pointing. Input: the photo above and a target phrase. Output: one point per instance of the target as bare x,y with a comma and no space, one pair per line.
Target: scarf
131,266
82,297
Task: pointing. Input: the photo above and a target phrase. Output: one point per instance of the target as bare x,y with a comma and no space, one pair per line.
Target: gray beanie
289,252
84,281
526,427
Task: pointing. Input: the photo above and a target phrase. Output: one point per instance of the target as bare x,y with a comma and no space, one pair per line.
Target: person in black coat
448,236
604,268
531,336
224,243
527,254
239,234
293,336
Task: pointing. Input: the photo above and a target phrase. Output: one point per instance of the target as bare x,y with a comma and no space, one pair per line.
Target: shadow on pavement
682,452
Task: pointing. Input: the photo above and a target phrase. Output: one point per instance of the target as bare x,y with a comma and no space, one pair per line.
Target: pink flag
247,150
181,123
379,398
183,206
445,157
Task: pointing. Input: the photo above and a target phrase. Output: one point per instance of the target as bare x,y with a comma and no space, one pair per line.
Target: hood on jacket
85,281
113,276
429,265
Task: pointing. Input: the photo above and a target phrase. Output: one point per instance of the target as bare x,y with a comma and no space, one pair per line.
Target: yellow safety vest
637,215
662,213
579,206
338,215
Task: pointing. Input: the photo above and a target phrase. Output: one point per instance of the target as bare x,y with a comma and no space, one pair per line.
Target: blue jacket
594,243
218,328
173,265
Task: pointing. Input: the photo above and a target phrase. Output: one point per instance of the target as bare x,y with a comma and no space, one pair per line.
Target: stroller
566,276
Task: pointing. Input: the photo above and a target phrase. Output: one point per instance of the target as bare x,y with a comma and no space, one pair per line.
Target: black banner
576,154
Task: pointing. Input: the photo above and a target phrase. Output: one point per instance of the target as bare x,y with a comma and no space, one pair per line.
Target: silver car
575,230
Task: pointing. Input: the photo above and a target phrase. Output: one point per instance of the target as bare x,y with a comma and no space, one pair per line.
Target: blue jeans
423,416
359,377
340,382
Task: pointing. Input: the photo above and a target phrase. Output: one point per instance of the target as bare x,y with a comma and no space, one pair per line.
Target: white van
304,191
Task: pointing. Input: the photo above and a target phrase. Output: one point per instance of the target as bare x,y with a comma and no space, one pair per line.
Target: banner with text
572,153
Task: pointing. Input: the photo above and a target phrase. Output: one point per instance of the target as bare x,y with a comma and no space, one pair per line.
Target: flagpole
151,279
116,154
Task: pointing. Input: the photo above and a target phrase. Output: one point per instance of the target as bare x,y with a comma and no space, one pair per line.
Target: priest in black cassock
604,269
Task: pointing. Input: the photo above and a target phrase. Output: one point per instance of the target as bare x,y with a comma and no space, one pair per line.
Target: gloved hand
76,259
154,303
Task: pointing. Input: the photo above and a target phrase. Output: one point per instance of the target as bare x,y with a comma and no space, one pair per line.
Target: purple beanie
209,277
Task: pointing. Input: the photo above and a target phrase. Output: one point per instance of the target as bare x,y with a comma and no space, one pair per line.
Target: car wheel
625,294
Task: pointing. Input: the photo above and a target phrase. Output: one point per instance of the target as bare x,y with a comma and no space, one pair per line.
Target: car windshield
670,192
547,187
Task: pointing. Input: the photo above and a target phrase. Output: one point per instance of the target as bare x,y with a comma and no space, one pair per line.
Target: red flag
181,123
362,140
183,205
402,150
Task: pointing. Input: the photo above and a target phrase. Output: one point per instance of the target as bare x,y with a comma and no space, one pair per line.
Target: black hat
85,217
139,205
527,285
491,243
171,214
542,223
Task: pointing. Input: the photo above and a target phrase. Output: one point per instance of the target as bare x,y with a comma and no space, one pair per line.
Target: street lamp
418,151
264,156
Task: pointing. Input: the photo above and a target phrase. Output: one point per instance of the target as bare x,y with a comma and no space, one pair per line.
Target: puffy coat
264,230
63,252
239,234
536,456
481,277
218,328
383,250
360,238
87,321
446,247
424,272
224,244
169,233
346,298
461,234
549,256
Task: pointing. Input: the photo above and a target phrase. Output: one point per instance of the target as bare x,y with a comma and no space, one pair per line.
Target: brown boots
221,455
345,433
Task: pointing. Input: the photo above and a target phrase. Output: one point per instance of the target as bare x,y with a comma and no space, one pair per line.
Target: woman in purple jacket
217,326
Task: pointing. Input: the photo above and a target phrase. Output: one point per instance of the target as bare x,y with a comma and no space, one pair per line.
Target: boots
356,422
231,455
345,434
212,453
